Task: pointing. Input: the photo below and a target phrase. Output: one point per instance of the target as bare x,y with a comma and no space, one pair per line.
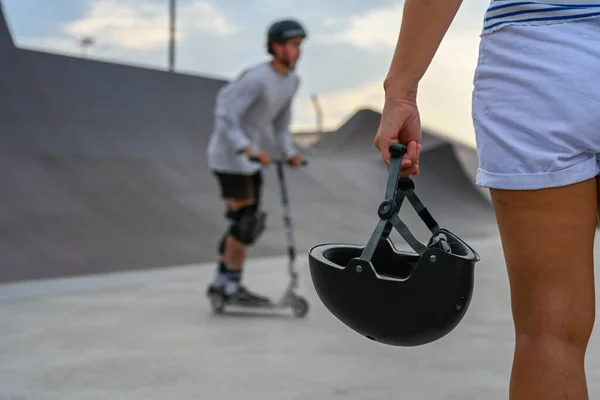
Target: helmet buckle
386,209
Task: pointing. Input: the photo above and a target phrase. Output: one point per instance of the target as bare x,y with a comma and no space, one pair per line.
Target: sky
344,60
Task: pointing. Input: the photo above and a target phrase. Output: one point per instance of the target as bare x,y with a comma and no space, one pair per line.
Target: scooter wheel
218,304
300,307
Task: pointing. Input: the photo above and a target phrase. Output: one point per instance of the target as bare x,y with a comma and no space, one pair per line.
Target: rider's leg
241,194
548,236
236,191
236,250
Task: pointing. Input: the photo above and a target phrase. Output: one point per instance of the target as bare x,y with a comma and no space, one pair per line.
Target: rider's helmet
283,30
395,297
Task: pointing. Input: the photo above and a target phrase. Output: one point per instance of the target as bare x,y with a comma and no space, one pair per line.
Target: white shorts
536,105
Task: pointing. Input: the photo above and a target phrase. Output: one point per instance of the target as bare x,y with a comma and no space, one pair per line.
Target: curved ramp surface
355,136
347,163
103,169
102,166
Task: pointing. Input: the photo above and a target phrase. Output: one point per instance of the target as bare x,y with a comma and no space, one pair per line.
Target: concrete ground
151,335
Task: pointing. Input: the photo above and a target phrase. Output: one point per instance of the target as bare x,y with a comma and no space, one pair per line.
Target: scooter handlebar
304,162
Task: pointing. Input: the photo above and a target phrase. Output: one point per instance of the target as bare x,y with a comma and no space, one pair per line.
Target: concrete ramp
102,166
346,162
103,169
442,185
355,136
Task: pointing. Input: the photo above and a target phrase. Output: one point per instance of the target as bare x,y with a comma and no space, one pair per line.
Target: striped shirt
501,13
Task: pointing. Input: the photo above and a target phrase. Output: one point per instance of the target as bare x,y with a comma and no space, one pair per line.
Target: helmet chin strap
397,189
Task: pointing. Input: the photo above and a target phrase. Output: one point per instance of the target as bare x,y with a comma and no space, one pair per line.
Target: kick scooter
291,297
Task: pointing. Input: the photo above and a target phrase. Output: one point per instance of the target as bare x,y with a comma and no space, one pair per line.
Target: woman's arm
424,25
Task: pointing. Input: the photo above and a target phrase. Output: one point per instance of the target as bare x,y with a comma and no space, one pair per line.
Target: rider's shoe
241,295
215,288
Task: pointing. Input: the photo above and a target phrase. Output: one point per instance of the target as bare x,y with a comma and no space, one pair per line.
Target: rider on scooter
257,103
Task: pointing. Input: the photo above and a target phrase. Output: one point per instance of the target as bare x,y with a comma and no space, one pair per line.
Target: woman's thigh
548,238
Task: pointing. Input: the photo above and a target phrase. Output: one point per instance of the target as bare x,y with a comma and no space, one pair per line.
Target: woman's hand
400,123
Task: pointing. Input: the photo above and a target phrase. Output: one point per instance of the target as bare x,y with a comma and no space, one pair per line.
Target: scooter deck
238,303
297,304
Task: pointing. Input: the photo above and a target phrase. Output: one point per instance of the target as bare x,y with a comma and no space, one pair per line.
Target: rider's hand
264,157
400,123
295,161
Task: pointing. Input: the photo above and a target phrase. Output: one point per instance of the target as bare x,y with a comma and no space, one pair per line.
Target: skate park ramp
103,169
101,166
347,162
355,136
104,190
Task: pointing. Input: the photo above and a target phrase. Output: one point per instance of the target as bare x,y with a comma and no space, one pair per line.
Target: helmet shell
283,30
398,298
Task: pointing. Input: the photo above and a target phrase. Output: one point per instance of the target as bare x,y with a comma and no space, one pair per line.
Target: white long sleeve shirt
255,105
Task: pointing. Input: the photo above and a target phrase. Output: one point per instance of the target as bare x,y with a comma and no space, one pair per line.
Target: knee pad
248,224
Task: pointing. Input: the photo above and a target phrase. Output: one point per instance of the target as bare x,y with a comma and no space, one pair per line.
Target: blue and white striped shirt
501,13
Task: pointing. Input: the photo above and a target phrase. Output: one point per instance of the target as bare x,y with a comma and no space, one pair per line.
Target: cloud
339,105
57,44
141,25
346,66
444,92
444,97
377,27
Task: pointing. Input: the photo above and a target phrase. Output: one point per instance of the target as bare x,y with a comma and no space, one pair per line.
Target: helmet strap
397,189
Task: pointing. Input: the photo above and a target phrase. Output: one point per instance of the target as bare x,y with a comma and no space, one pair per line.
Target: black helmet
281,31
395,297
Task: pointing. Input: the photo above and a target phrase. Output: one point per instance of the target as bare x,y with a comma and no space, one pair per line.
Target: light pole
318,112
85,42
171,35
